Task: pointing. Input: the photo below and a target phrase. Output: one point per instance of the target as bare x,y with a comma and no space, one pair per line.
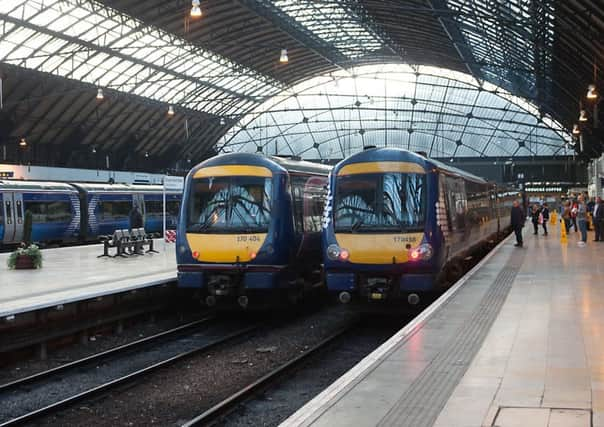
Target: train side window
115,209
9,212
50,211
19,212
297,190
457,203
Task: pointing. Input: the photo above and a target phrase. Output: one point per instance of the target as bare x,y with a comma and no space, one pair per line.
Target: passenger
544,218
573,215
535,215
598,220
590,208
566,214
517,220
582,220
136,218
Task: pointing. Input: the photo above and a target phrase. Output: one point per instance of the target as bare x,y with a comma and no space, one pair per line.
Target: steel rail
218,411
103,388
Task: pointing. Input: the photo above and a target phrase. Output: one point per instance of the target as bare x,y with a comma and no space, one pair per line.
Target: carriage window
46,212
156,207
386,202
115,209
9,213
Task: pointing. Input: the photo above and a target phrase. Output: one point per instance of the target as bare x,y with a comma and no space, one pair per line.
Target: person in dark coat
136,218
535,212
517,220
545,217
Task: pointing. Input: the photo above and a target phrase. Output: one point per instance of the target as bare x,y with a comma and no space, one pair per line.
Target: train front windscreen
380,202
233,204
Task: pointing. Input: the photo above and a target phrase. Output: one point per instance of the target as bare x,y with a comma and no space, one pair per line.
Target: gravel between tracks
173,395
293,392
96,343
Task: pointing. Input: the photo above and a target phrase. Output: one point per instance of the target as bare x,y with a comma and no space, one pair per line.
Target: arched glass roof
441,112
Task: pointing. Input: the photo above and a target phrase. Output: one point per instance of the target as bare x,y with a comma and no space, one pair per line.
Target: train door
12,207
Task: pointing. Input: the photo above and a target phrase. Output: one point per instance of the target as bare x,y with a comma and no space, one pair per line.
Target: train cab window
230,204
114,209
48,212
380,202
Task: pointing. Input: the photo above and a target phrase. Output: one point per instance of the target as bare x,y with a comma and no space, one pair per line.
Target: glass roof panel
62,29
334,23
390,105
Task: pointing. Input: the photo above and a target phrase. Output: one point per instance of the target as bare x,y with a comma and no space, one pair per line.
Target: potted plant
25,257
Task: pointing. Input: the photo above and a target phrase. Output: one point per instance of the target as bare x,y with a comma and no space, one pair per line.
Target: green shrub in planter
32,255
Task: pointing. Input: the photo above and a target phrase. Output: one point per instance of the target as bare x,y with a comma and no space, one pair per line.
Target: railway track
186,341
218,411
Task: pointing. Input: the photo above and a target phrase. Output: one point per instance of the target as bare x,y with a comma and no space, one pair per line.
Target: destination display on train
7,174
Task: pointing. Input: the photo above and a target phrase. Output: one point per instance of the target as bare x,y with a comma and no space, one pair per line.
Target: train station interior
302,213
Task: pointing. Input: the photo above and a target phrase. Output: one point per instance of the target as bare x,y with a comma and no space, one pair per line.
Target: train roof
400,154
35,186
122,188
273,163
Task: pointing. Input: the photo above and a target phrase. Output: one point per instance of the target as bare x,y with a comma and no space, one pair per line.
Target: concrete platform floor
541,363
75,273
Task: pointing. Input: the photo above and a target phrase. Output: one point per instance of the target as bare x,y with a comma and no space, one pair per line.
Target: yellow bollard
553,218
563,238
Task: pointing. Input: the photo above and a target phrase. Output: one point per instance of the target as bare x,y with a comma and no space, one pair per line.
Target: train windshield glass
234,204
380,202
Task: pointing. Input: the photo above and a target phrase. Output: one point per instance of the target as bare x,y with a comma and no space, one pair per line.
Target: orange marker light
344,255
414,254
253,255
195,254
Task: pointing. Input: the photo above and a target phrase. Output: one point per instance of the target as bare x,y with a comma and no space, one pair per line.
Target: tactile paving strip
425,398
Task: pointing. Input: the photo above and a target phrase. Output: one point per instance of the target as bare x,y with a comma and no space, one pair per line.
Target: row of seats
127,242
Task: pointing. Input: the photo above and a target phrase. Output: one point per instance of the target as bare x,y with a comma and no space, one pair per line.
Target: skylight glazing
441,112
502,36
86,41
334,23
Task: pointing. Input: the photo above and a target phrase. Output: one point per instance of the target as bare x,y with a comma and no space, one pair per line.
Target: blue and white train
398,225
69,213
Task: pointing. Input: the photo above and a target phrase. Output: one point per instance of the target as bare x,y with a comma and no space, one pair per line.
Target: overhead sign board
174,183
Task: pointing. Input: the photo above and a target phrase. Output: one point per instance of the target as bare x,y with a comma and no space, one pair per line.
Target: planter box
24,262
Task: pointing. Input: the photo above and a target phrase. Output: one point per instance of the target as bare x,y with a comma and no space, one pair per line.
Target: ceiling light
284,58
222,121
22,142
170,111
576,130
583,116
99,94
93,149
591,92
195,9
146,154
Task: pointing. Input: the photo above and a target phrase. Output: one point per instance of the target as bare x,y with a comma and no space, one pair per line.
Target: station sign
174,183
7,174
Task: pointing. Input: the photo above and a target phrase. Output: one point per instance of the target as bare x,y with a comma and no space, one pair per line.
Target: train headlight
422,252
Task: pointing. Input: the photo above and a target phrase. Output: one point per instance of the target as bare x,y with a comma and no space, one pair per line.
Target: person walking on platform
535,213
136,218
598,220
573,215
582,220
517,220
566,215
544,218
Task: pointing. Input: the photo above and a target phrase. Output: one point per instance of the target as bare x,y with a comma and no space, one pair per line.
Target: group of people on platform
574,212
